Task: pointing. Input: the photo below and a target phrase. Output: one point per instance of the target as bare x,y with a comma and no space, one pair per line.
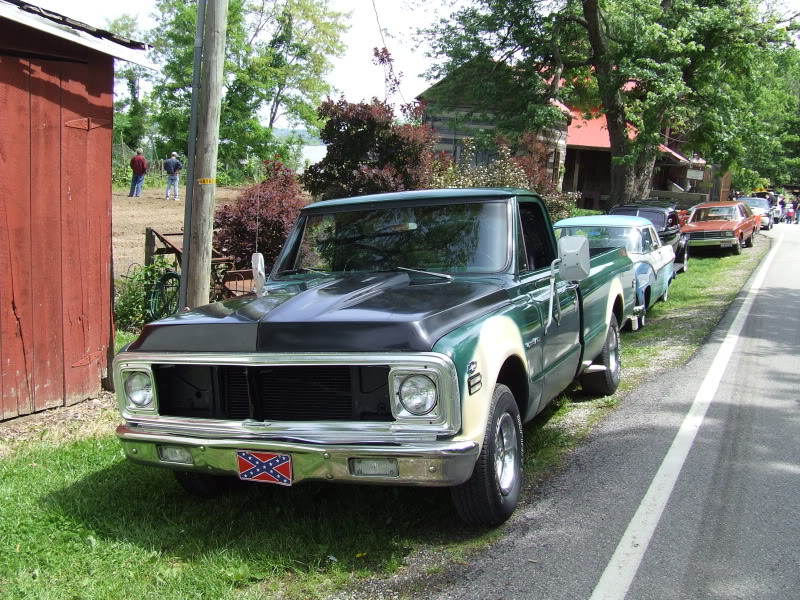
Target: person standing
139,168
172,166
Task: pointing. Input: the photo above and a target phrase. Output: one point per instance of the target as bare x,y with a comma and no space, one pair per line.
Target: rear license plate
264,467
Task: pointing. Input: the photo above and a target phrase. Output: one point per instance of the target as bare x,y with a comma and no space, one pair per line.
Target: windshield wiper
433,273
299,271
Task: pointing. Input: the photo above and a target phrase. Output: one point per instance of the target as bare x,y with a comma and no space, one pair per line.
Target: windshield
714,213
757,203
606,238
469,237
654,216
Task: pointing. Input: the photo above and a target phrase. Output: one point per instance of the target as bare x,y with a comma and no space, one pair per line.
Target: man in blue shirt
172,166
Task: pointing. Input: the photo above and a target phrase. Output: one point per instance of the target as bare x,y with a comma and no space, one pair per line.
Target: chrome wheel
613,352
506,457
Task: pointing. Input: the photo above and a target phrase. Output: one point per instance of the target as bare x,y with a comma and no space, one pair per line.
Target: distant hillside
307,138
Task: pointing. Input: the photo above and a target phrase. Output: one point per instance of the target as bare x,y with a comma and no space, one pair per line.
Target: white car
762,209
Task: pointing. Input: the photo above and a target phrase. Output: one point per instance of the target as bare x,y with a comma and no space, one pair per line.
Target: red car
722,224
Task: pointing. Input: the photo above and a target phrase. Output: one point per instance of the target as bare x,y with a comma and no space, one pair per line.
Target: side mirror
259,275
573,250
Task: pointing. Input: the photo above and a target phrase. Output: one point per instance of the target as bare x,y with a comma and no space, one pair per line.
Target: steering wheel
382,254
379,253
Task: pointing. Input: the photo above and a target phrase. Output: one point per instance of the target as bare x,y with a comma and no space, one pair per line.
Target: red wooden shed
56,94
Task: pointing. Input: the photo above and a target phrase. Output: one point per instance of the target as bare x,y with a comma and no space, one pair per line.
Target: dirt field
131,216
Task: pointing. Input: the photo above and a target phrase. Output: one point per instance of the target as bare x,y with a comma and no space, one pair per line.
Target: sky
354,75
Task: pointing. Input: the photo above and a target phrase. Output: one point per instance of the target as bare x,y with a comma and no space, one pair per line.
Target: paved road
723,508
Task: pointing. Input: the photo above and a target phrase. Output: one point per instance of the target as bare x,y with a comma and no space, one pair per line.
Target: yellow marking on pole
206,181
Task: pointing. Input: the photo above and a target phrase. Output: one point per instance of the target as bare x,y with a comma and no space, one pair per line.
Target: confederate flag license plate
264,467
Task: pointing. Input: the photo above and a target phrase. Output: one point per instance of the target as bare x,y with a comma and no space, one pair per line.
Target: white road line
621,569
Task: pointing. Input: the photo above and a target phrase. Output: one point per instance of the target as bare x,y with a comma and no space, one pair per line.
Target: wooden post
149,245
199,274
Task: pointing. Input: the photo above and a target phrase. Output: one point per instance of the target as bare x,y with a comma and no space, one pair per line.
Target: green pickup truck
400,339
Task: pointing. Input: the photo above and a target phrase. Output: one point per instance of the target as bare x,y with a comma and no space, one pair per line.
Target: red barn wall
55,220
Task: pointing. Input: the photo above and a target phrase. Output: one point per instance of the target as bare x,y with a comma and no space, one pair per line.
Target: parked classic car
666,220
767,213
653,262
401,339
722,224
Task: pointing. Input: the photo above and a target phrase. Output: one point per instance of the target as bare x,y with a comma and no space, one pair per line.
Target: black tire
488,498
748,243
605,382
204,485
737,247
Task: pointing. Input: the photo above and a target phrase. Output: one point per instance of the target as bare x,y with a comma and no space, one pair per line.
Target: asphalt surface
730,526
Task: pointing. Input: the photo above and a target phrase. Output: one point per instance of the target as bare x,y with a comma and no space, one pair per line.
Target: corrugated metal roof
588,133
74,31
592,134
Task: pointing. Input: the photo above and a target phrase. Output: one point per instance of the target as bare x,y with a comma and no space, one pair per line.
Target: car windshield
656,217
757,203
470,237
606,238
714,213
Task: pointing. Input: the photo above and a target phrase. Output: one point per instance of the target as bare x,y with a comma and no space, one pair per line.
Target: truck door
529,316
561,343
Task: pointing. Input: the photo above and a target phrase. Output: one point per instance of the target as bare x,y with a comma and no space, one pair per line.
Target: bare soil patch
91,418
130,217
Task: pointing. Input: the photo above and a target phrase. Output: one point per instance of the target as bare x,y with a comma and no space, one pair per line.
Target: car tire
737,247
605,382
204,485
490,495
748,243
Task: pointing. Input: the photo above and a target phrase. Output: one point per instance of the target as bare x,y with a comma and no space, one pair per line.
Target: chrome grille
305,393
705,235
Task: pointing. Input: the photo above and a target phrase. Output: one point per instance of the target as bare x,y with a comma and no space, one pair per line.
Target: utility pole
205,182
187,210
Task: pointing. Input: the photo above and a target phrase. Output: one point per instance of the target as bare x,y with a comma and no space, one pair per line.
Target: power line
380,30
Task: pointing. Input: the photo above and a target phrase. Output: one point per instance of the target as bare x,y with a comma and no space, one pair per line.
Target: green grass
123,337
78,521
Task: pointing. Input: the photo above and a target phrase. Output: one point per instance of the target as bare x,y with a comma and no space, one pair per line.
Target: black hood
365,312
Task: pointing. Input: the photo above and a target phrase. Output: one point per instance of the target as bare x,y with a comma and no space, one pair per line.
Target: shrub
368,152
267,210
527,171
132,294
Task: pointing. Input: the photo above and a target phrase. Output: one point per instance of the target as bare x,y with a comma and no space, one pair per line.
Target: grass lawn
77,521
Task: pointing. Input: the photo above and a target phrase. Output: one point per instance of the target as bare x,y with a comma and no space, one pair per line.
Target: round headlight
418,394
139,389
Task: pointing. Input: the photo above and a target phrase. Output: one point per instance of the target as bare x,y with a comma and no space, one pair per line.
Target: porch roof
592,134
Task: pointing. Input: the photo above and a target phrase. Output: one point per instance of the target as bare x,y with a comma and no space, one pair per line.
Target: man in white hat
172,166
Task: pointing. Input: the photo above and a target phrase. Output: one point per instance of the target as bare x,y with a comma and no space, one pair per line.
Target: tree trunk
630,180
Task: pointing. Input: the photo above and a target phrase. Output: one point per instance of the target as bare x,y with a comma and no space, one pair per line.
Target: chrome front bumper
423,464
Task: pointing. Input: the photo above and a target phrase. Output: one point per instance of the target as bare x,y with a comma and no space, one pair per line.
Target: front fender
489,343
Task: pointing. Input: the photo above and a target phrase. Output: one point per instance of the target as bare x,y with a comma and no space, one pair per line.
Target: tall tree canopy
648,64
277,55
